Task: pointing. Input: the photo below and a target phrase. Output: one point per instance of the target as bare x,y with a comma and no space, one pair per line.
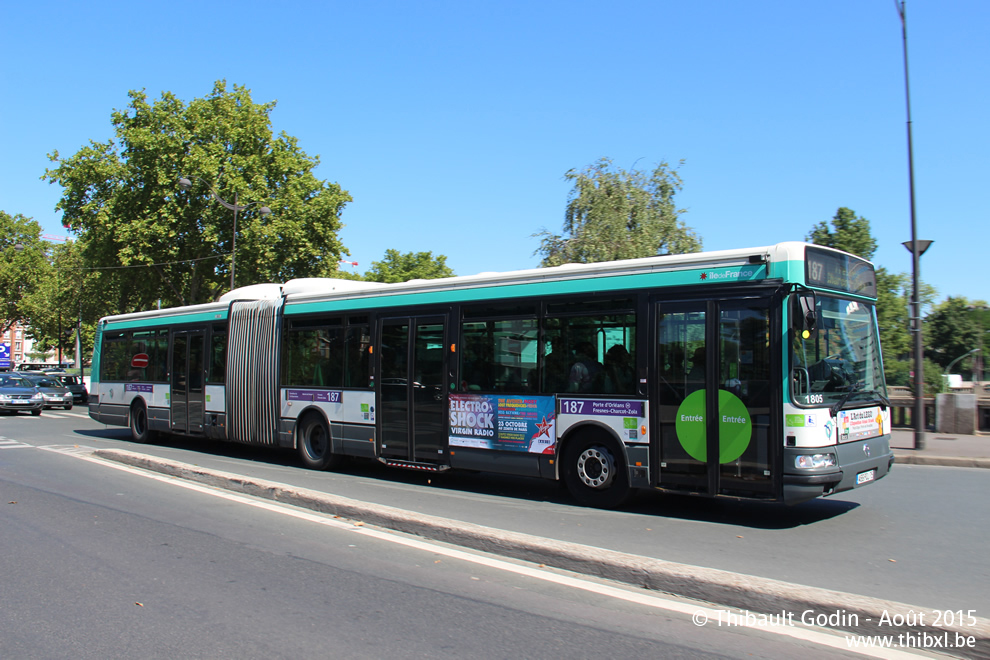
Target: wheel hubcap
595,467
317,443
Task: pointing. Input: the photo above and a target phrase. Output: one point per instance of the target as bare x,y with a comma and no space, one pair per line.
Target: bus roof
781,261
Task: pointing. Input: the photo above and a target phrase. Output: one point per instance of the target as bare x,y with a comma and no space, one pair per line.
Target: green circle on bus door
735,428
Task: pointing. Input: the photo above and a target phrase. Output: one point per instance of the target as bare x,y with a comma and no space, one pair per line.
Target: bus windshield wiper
837,406
834,409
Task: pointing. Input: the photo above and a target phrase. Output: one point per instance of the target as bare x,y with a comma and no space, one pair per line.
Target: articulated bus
751,373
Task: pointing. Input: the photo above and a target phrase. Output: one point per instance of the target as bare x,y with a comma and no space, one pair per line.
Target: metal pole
233,251
919,367
58,291
79,355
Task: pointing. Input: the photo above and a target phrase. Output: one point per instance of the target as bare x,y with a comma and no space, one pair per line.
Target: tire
68,407
314,443
35,413
595,472
138,420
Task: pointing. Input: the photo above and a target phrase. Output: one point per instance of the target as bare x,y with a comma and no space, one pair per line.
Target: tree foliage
952,329
22,266
848,232
614,214
893,313
399,267
65,294
121,198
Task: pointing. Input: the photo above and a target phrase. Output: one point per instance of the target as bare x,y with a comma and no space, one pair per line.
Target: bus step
412,465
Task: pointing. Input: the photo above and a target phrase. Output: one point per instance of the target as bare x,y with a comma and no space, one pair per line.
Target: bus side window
499,355
591,353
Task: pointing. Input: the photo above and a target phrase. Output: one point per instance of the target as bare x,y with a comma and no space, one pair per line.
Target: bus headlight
814,461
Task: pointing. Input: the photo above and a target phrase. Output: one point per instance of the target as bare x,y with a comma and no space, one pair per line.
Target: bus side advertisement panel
628,418
349,407
520,423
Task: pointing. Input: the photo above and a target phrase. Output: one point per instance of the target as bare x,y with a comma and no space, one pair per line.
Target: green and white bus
752,373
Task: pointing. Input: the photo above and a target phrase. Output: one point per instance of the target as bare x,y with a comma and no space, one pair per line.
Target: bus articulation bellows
751,373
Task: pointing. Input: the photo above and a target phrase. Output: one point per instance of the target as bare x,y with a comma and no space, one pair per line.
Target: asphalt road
102,562
916,536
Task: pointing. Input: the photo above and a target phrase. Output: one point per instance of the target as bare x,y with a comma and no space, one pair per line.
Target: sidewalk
941,449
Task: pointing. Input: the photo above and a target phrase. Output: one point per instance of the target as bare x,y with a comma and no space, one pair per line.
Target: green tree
66,294
613,214
121,198
396,267
848,233
952,329
23,266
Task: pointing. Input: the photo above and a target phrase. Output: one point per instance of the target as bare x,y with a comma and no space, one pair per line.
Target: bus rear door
188,391
412,389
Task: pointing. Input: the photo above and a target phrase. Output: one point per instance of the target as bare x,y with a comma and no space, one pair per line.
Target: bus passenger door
713,396
412,389
188,391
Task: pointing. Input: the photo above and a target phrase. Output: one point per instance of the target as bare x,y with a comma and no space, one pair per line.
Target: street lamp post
186,184
917,248
948,369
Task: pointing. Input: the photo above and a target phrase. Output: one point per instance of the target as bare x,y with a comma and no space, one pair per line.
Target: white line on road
63,414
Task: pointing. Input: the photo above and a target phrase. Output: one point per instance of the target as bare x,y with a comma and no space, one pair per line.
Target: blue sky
452,123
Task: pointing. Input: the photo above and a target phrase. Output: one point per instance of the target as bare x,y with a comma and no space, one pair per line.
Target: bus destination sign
840,272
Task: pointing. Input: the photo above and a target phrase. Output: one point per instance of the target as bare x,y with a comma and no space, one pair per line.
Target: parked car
53,392
75,385
18,393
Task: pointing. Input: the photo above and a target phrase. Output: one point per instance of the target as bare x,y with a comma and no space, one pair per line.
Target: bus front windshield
840,363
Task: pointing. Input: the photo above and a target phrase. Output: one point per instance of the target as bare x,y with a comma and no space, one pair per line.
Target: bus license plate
865,477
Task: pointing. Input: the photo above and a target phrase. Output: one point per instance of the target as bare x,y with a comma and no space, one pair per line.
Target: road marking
7,443
64,414
71,450
820,636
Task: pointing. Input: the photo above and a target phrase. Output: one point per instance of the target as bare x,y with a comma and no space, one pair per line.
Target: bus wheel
139,424
595,473
314,445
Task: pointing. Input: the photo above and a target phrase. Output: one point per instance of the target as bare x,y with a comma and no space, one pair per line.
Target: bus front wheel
595,472
315,448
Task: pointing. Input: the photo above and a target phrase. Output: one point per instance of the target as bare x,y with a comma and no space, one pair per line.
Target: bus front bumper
859,463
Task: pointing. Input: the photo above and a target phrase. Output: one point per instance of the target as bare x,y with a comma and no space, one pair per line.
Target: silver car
54,393
17,393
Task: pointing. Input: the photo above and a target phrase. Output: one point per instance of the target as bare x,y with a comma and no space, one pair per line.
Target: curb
909,458
861,615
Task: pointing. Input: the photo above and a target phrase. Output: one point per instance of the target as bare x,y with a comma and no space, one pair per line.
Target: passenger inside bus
586,371
696,377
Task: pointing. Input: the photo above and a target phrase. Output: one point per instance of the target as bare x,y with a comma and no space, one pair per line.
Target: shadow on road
756,515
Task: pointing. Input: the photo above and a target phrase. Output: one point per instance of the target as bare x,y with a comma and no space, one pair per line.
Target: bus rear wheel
315,447
139,424
595,473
